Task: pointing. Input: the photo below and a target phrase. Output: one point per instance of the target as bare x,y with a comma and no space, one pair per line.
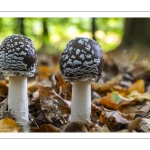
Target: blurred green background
50,35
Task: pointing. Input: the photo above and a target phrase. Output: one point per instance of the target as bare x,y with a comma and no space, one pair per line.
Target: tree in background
133,51
45,35
136,32
93,26
21,25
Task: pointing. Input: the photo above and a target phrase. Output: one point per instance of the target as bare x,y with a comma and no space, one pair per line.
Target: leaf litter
120,102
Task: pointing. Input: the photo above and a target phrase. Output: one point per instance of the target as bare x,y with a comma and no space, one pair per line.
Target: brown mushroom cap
82,59
17,56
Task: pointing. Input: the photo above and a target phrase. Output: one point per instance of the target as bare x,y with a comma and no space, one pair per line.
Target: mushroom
18,61
81,63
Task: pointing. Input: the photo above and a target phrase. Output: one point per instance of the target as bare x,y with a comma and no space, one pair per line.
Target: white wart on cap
82,59
17,56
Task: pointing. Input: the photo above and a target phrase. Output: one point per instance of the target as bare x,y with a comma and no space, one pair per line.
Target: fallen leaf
108,102
144,125
138,86
107,86
43,72
115,120
3,104
3,88
46,128
8,125
62,87
51,94
32,86
114,100
138,96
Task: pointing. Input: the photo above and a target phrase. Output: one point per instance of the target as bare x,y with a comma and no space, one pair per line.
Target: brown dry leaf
107,86
32,86
95,112
3,104
55,69
46,128
8,125
115,120
136,108
3,88
49,92
52,108
129,110
43,72
144,125
53,104
62,87
45,91
139,86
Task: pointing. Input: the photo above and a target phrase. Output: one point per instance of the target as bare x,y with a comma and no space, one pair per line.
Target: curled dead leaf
115,120
51,94
3,88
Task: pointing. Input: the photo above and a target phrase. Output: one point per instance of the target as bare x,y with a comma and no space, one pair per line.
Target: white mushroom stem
81,101
18,99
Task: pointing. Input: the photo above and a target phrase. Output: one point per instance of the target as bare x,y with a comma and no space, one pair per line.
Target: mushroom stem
81,101
18,99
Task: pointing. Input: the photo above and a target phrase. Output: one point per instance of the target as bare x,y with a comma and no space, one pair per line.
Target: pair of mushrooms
81,63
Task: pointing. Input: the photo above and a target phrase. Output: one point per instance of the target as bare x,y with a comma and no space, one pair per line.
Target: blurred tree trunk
93,28
21,23
134,50
136,32
45,35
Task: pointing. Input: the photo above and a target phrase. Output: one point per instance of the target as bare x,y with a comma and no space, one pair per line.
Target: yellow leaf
113,100
139,86
107,86
8,125
44,72
138,96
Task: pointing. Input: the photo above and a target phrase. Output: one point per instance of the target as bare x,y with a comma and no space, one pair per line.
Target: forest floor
120,100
